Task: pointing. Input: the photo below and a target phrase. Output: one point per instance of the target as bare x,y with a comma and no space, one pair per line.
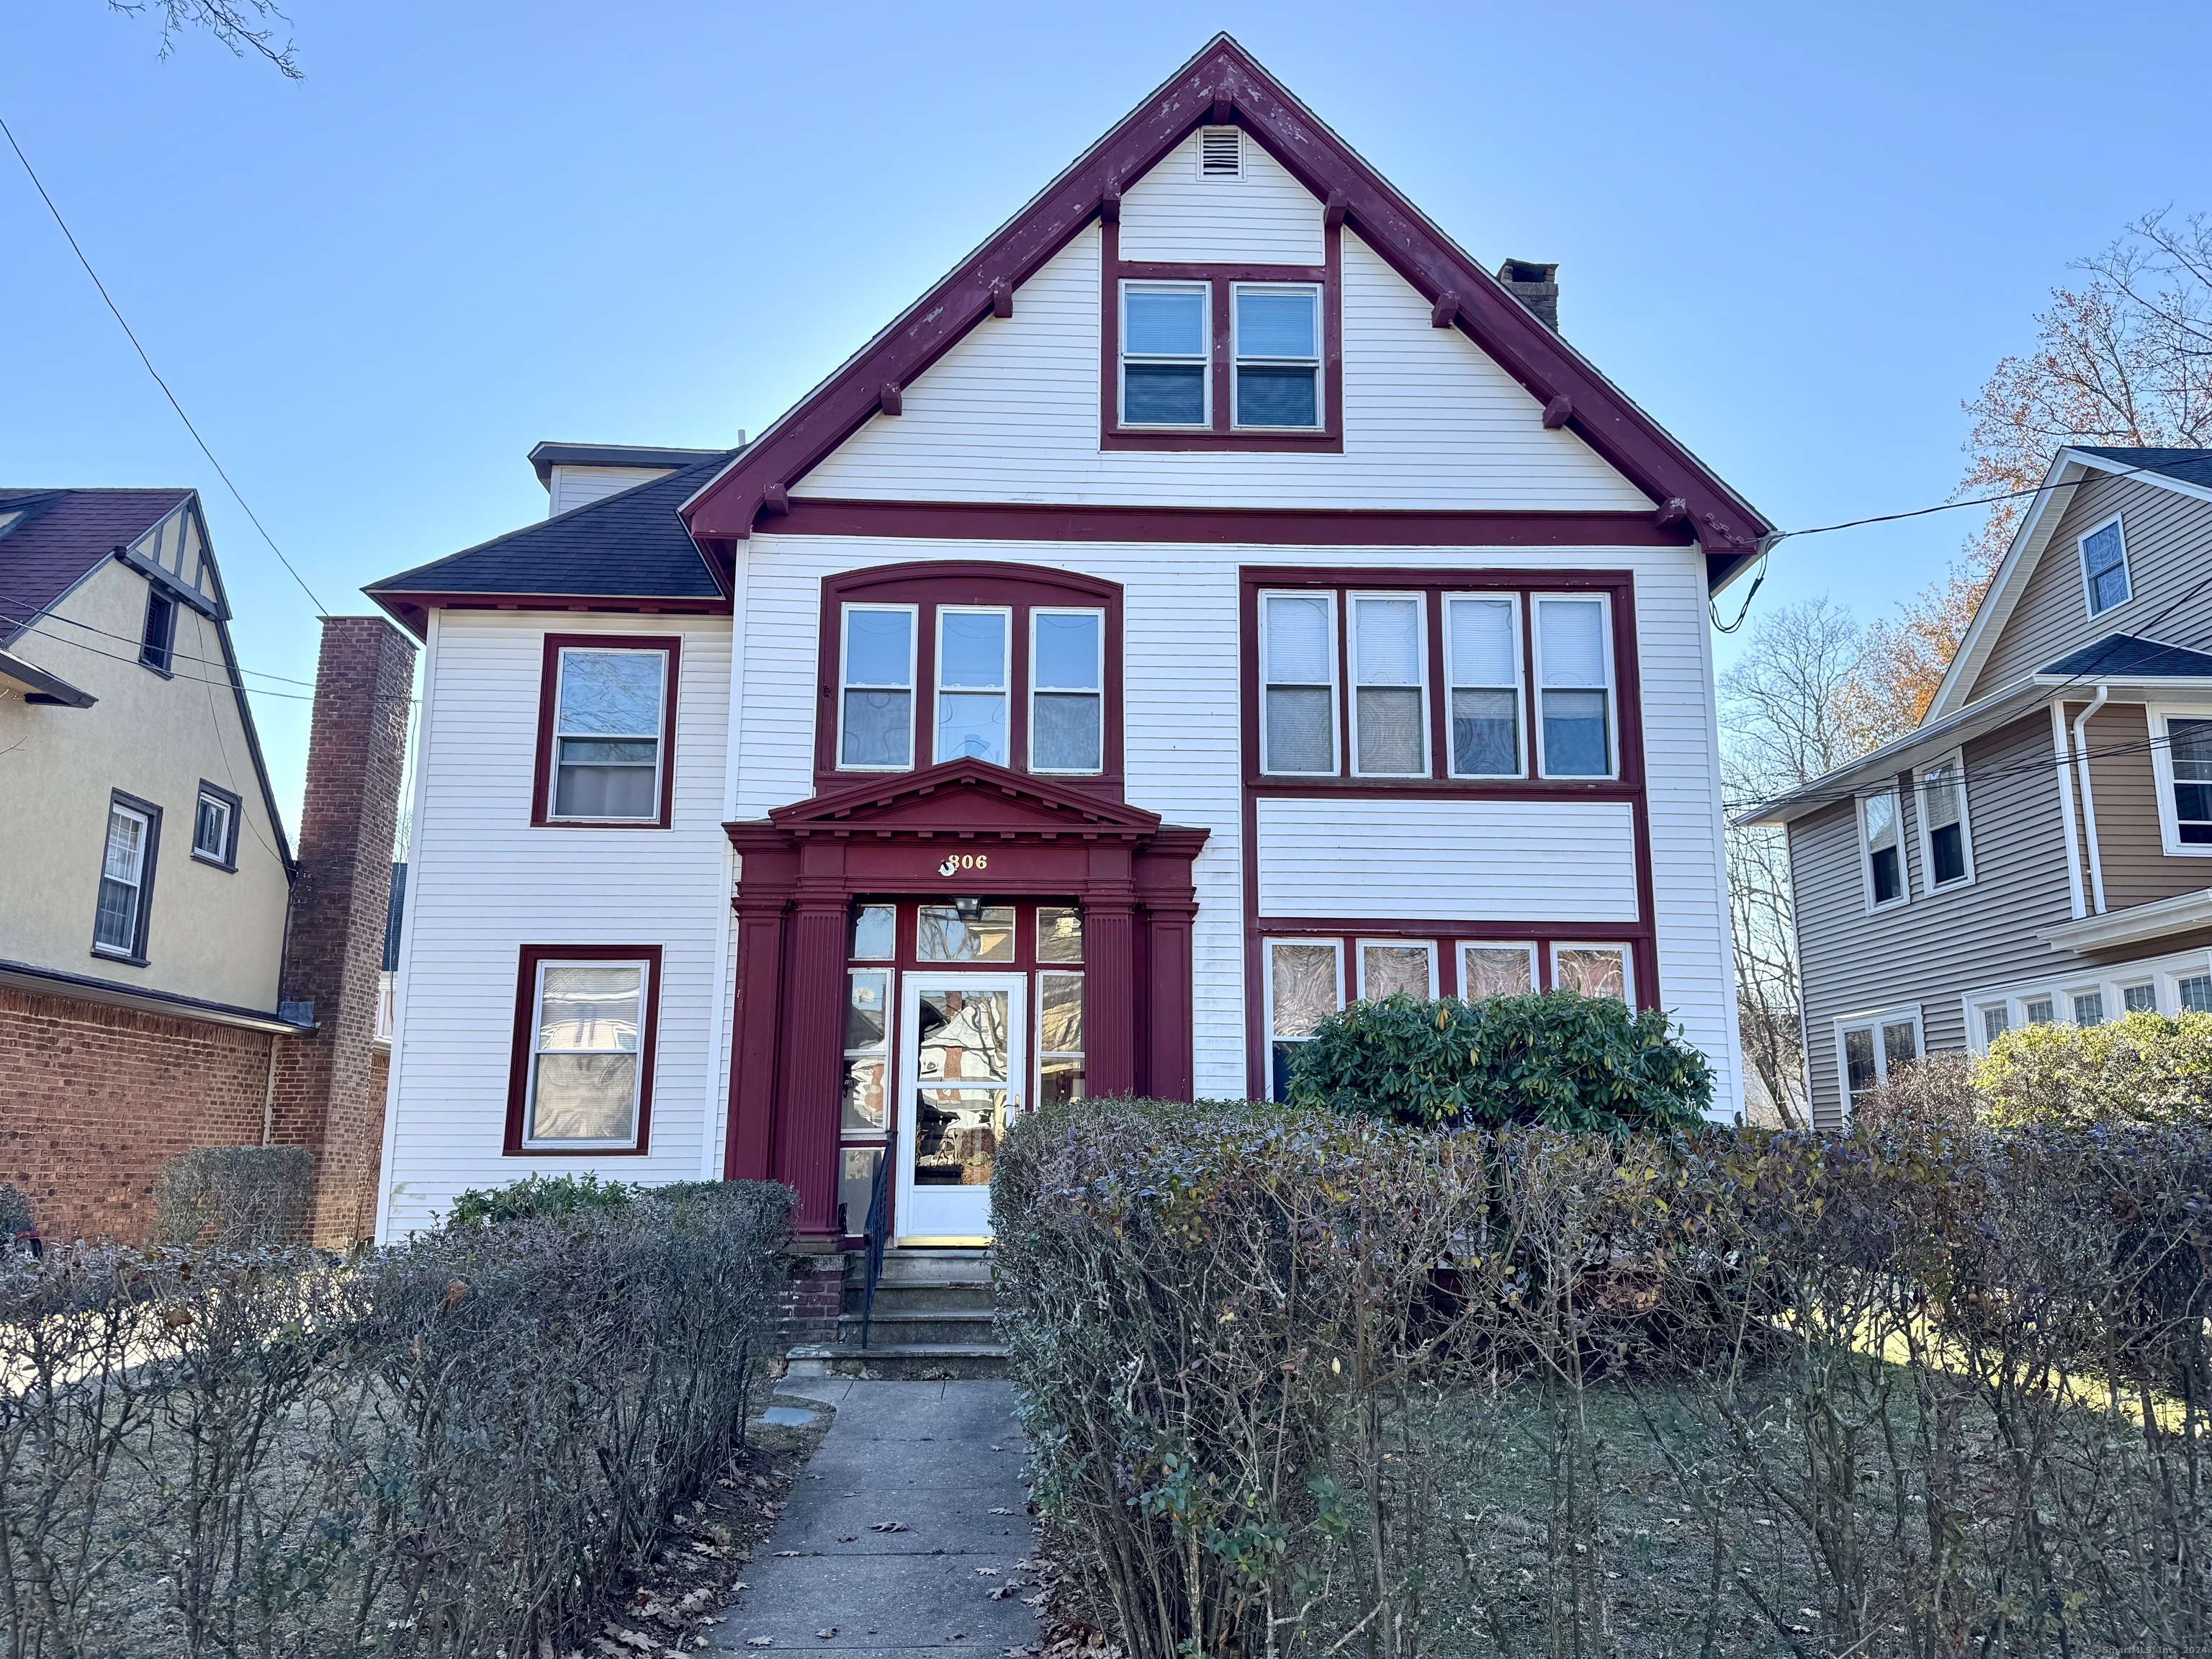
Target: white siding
572,487
483,883
1448,861
1265,218
1182,748
1011,413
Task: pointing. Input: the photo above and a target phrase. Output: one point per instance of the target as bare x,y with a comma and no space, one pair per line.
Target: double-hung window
1574,679
1482,660
1883,851
876,696
1166,336
1068,690
2105,568
2181,759
1297,669
1390,686
1947,857
214,827
587,1051
1872,1046
973,661
1276,345
126,879
1305,986
610,715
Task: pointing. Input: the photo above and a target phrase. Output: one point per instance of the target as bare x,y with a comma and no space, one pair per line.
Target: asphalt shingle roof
63,534
630,545
2192,466
2124,655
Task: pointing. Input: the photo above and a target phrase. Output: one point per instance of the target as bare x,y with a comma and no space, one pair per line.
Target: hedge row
453,1446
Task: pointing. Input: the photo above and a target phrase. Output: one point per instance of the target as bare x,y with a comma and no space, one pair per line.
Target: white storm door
963,1055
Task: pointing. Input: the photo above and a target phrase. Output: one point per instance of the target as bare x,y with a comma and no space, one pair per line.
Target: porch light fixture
969,909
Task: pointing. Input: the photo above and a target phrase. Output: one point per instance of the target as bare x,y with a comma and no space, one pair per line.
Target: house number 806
960,862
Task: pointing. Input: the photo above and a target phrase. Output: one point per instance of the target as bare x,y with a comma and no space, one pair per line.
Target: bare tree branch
238,24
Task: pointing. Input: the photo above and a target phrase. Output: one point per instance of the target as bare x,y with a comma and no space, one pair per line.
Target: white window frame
132,949
2162,977
532,1142
1538,687
1520,687
1124,356
1929,887
223,856
2081,566
1074,971
1268,1038
1329,598
1427,946
1866,851
912,613
1419,602
1462,946
1317,363
614,646
1627,962
1099,675
936,690
2161,766
1875,1022
2073,993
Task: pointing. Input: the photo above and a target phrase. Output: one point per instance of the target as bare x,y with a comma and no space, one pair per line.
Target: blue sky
1799,236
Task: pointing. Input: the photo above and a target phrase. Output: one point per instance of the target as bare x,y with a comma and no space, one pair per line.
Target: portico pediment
958,798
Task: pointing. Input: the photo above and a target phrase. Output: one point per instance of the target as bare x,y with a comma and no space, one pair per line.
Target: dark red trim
525,1014
549,679
930,584
1255,526
412,611
1224,72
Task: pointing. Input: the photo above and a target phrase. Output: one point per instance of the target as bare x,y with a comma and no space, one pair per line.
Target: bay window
1276,346
607,714
876,688
1574,679
973,662
1166,334
1482,661
1390,695
1068,690
582,1082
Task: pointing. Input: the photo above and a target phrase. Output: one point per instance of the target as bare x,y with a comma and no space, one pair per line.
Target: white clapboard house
1219,598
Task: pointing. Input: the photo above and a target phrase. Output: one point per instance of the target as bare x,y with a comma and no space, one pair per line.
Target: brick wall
92,1098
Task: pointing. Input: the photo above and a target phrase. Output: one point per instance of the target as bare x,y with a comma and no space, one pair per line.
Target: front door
963,1055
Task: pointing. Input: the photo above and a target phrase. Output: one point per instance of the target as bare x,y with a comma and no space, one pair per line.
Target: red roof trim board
1224,82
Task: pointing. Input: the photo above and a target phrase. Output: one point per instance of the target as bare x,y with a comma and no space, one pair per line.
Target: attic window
1220,153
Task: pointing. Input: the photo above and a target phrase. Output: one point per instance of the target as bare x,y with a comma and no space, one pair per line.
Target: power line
195,679
180,656
321,608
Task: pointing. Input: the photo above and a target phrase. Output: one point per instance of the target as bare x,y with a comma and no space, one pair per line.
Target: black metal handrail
878,1230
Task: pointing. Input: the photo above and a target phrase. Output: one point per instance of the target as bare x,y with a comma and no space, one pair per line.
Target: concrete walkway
938,1457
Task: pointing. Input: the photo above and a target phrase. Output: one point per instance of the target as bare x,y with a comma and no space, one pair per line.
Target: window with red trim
606,732
586,1019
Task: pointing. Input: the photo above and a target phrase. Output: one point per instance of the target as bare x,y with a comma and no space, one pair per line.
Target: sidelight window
1298,650
876,674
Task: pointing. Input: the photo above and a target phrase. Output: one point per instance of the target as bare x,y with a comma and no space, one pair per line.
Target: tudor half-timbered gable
1217,600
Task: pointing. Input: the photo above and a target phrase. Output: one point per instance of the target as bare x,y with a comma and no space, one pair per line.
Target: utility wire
321,608
180,656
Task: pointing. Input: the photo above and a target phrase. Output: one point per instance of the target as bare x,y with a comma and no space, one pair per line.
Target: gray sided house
2039,848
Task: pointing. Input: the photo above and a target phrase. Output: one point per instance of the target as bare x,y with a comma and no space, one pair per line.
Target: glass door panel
963,1053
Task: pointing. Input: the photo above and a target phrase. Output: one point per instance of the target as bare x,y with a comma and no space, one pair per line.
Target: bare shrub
239,1198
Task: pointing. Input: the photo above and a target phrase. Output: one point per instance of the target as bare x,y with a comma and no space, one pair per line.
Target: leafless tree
242,25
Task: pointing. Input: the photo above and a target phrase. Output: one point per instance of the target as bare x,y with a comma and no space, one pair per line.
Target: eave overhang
39,686
2184,913
52,981
411,611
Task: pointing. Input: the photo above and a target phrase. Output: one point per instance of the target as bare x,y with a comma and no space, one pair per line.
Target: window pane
872,933
115,922
2196,993
1486,734
1299,735
1574,745
1390,732
585,1098
956,1135
1482,641
876,726
972,726
1571,640
212,833
1301,644
1593,972
971,652
867,1008
1947,852
1277,395
1164,325
1059,1013
862,1108
1277,322
1067,738
1163,394
1494,970
589,1008
1858,1061
126,840
1888,880
1940,788
2039,1012
1304,987
1060,1080
2139,1000
1386,969
1059,934
1066,652
1387,642
1899,1045
941,936
597,779
613,693
1880,820
1996,1021
2089,1008
2111,588
878,648
962,1036
856,1185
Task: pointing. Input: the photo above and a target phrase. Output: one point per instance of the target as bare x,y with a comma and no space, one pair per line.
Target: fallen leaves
889,1526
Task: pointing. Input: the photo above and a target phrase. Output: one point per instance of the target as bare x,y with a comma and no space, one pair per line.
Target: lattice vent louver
1220,154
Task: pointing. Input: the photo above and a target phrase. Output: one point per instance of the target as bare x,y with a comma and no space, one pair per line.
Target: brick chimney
334,945
1535,286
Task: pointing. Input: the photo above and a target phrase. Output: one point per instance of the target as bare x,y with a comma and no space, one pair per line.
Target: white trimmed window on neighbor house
1869,1046
2105,568
1882,850
1947,852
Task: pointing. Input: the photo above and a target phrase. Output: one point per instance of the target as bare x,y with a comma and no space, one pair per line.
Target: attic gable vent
1220,153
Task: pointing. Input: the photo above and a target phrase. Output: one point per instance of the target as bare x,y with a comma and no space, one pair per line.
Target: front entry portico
964,831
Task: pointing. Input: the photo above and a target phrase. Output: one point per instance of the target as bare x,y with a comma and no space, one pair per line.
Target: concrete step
922,1361
952,1297
905,1329
922,1267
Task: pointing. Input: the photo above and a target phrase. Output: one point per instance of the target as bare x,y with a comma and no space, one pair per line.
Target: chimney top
1536,285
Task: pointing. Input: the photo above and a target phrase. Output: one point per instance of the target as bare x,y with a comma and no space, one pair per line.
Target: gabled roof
2124,656
2189,467
61,538
629,545
1224,84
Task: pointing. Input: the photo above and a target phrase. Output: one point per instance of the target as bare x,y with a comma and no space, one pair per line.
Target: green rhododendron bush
1557,1059
2145,1068
1300,1383
457,1445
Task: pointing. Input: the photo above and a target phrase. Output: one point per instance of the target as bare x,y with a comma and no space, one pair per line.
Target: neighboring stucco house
1219,598
2036,849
